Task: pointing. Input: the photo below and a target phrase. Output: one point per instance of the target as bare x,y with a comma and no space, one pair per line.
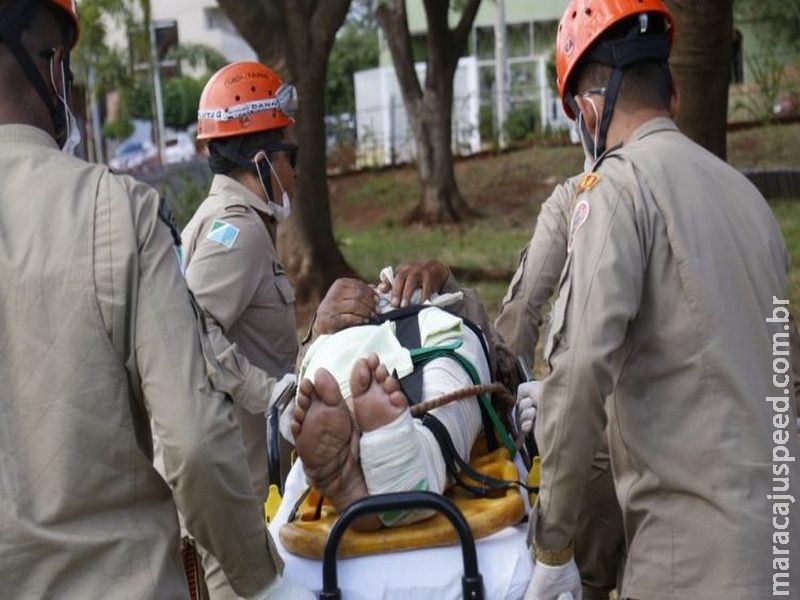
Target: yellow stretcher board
306,536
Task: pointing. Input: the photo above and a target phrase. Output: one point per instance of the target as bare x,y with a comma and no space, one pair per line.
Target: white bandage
391,462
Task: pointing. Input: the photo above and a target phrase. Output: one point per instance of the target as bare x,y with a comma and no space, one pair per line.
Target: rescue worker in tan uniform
668,310
229,253
600,538
99,338
600,541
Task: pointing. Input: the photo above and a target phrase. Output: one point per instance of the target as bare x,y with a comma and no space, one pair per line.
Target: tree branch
461,32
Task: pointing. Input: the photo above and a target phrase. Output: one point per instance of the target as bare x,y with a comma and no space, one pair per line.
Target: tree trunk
295,38
441,200
430,111
700,62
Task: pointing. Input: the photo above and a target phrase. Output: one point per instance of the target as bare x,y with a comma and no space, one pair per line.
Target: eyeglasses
598,91
290,150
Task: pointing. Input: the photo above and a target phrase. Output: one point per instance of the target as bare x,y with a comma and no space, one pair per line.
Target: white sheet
433,573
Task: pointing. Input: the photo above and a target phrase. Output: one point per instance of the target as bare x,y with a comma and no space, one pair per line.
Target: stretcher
407,571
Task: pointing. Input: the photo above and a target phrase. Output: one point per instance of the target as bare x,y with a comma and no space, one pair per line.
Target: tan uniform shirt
673,265
599,543
98,335
233,269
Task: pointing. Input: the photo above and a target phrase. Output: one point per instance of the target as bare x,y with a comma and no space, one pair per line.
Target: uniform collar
647,128
230,189
18,133
653,126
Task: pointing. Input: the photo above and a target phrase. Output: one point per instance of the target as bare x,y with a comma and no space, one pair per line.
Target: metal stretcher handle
471,581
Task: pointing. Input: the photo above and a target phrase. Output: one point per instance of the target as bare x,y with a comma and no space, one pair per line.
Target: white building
530,30
203,22
199,22
382,125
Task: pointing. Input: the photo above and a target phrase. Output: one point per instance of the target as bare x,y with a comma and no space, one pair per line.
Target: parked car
178,147
132,154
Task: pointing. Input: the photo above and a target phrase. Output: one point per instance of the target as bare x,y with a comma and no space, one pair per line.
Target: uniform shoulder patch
579,216
589,181
223,233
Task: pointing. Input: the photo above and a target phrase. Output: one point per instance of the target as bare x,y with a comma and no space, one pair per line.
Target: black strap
407,333
167,217
457,466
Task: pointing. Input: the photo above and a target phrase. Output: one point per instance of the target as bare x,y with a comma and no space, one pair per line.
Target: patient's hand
429,276
348,302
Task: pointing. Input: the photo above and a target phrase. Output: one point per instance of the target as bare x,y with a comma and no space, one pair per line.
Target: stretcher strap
457,466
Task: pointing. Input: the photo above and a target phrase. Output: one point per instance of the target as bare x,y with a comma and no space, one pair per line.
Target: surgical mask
589,149
282,211
73,134
590,146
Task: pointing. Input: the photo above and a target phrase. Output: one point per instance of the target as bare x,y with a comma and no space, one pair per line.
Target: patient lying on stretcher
352,426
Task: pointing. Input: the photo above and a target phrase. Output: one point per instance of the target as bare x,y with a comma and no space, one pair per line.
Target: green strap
425,354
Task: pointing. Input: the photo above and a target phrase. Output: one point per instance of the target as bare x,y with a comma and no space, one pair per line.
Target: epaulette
588,181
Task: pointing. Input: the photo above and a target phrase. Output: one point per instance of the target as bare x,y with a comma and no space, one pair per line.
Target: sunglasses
290,150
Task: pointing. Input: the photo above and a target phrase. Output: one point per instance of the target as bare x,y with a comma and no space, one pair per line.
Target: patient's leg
327,443
391,457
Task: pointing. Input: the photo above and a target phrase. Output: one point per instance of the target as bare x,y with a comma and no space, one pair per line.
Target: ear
590,114
674,101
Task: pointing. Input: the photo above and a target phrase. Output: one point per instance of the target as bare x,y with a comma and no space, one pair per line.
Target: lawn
508,189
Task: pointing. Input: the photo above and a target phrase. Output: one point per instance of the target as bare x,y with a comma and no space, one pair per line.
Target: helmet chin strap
14,18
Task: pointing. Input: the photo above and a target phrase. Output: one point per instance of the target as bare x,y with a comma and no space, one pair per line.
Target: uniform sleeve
599,295
204,458
536,277
248,386
223,269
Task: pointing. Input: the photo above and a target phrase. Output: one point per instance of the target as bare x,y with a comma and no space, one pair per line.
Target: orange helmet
244,97
584,21
70,7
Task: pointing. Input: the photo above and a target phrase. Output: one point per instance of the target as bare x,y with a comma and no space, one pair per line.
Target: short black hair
644,85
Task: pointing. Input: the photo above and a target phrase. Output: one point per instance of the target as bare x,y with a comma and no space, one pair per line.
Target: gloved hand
562,582
528,395
288,380
283,588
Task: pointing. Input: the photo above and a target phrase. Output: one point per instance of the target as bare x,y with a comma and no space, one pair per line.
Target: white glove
528,395
283,588
554,583
288,380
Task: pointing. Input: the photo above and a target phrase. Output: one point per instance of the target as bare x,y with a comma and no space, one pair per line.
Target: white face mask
590,157
282,211
73,137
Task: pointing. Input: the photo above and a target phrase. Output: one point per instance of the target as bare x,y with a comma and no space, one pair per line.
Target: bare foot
327,442
377,397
